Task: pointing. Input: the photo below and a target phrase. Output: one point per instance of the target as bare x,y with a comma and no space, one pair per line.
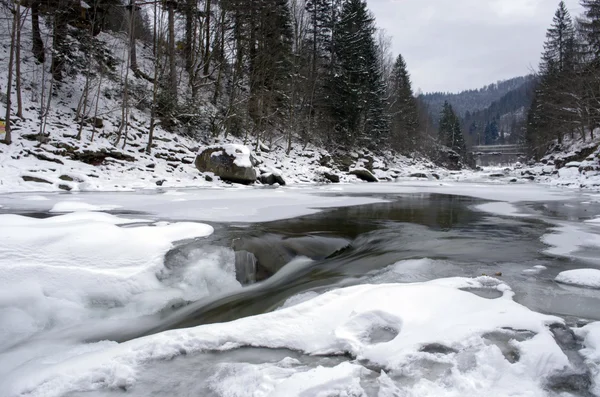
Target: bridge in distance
499,155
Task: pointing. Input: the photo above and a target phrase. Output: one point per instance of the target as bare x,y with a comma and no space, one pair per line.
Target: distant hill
504,120
473,100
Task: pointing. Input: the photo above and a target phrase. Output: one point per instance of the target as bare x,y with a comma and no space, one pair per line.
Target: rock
64,187
208,178
497,175
161,182
325,160
44,157
187,160
436,176
28,178
97,122
331,177
419,175
231,163
363,174
151,166
529,177
271,179
513,180
66,178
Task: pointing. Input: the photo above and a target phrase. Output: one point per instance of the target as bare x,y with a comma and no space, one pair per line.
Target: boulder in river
364,174
231,163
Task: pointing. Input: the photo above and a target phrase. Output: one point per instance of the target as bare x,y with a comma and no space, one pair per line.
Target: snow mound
581,277
390,326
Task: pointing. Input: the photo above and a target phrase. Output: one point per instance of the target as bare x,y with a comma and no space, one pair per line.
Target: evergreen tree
590,25
554,99
450,133
356,90
403,108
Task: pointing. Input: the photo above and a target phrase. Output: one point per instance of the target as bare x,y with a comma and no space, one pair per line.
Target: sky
453,45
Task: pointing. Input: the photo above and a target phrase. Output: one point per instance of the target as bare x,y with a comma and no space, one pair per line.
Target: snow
78,206
73,268
343,321
568,239
535,270
500,208
580,277
240,153
591,351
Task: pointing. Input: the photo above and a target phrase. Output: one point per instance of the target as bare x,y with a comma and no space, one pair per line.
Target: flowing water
407,238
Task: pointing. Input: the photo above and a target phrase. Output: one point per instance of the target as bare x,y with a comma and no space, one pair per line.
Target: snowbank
71,268
414,319
581,277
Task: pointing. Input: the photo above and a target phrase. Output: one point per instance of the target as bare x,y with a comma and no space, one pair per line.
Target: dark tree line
267,71
567,98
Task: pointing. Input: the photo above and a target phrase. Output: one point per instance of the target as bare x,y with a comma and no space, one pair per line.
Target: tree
590,25
355,90
403,108
450,133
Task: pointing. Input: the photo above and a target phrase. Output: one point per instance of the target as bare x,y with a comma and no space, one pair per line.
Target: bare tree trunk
11,61
60,35
207,38
96,104
132,48
221,45
154,97
190,8
37,43
18,60
172,68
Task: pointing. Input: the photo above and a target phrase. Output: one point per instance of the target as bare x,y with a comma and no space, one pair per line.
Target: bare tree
11,62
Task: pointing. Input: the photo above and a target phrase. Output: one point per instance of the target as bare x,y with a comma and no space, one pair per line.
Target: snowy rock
580,277
363,174
271,178
231,163
331,177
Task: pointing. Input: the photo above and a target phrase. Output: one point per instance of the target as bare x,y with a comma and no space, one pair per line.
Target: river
273,250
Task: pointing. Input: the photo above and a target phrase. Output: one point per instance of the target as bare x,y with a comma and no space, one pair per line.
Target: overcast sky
452,45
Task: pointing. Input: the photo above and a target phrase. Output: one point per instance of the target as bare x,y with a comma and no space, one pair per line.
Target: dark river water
425,237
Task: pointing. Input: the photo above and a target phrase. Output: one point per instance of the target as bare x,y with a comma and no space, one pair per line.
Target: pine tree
403,108
590,25
554,98
450,133
356,90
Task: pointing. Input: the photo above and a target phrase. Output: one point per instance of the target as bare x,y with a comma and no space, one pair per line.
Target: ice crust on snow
581,277
342,321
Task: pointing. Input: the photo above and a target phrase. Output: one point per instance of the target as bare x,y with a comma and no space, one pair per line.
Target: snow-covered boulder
230,162
364,174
